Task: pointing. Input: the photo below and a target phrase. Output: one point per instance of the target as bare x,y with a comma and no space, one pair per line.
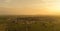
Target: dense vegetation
29,23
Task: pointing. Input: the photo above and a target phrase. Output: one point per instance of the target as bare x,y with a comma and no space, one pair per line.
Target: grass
25,23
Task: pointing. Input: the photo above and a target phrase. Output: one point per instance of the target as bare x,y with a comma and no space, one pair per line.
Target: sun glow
54,6
30,7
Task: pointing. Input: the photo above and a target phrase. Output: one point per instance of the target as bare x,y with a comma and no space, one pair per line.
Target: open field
29,23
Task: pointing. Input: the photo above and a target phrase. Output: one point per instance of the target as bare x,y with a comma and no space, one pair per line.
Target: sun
54,6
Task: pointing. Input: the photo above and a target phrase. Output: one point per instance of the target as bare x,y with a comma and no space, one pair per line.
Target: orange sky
29,7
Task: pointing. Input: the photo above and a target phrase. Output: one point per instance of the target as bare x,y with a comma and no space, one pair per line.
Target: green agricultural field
29,23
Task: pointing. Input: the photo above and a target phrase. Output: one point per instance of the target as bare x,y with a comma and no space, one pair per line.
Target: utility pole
27,24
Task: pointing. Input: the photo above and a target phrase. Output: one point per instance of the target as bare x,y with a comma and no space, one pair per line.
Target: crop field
29,23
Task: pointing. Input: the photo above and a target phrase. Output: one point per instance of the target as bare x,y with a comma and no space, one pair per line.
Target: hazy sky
29,7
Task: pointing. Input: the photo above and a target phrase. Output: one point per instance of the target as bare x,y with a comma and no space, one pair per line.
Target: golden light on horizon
27,7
